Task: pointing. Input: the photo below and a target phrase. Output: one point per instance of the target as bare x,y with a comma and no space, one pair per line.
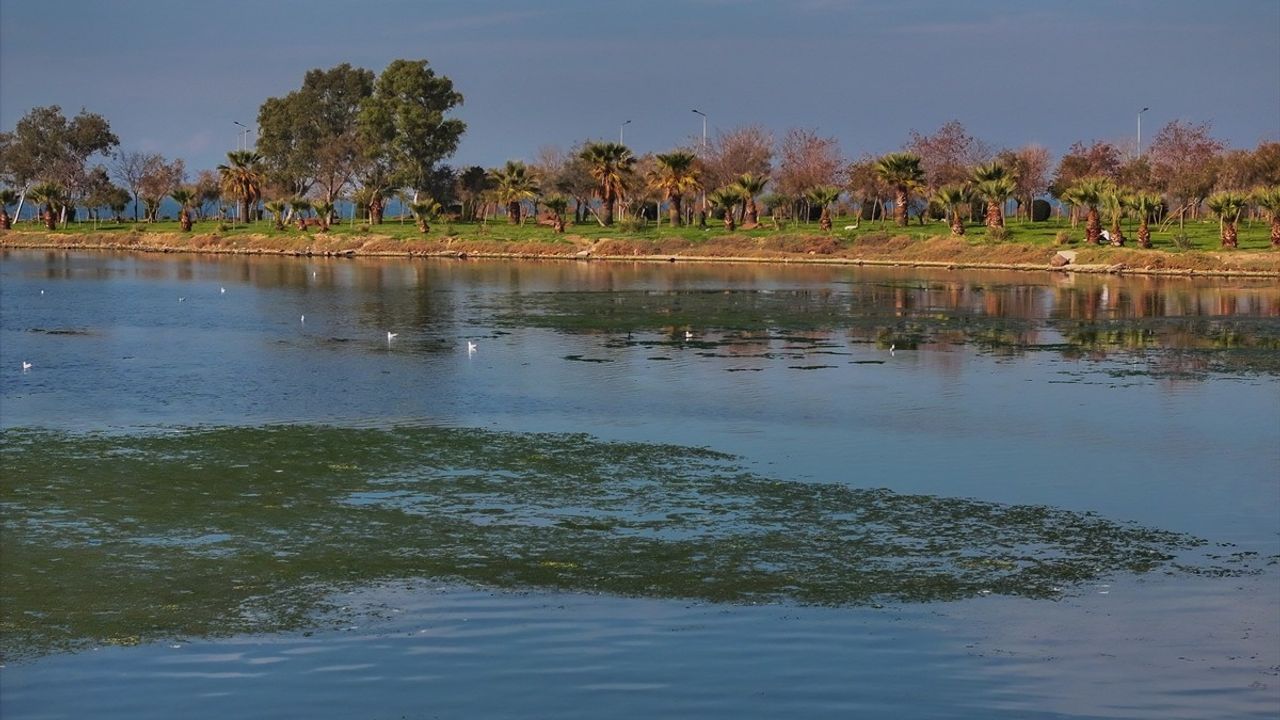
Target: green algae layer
206,532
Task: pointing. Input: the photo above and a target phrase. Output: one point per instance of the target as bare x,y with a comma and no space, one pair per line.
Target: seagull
182,299
391,335
224,291
303,319
688,335
471,347
891,349
313,273
41,292
26,365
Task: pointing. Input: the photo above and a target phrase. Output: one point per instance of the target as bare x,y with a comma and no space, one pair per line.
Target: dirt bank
872,249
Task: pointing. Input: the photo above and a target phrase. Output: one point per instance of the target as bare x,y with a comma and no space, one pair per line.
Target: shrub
223,227
997,234
1062,238
1040,210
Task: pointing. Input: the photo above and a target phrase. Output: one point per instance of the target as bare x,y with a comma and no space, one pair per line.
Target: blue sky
172,77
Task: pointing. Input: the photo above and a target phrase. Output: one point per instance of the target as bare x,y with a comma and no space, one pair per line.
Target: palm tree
1228,206
300,208
726,197
902,171
1116,201
1268,198
184,197
242,178
324,213
557,204
750,186
48,194
995,184
424,211
1144,204
513,184
277,208
674,174
823,196
952,197
1089,192
609,164
7,198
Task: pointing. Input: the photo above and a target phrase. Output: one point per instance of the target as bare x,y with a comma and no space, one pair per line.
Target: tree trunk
900,207
1229,236
50,219
423,227
1144,234
1093,227
957,225
728,220
1117,235
995,217
375,210
607,218
6,223
673,209
184,219
824,222
1275,230
750,216
513,213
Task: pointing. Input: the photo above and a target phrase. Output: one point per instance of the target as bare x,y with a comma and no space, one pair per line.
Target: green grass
1201,235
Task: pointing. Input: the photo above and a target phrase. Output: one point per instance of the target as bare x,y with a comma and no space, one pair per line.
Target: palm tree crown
610,165
902,171
675,174
513,184
241,178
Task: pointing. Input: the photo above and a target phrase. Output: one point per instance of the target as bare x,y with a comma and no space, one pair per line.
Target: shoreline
897,251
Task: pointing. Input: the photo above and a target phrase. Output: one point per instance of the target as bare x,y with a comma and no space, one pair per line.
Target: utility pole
620,127
702,219
1140,130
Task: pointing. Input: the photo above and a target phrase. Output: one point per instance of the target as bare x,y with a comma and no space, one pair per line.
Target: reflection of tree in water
241,529
1088,320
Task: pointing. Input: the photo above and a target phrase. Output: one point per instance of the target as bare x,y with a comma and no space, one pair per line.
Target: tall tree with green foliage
610,165
404,126
727,199
309,136
45,147
902,171
674,174
994,183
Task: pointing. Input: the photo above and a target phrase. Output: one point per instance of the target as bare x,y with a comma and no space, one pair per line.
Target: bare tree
159,178
1029,167
866,185
1184,163
733,153
947,156
807,161
1101,159
128,169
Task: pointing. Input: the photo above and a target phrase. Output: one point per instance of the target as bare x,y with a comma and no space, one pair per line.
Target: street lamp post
620,127
244,131
1140,129
702,218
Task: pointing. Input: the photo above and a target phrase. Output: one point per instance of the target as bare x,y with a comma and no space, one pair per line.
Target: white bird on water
303,319
688,335
182,299
471,348
25,366
891,349
224,291
391,335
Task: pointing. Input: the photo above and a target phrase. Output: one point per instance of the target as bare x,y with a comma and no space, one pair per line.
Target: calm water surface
661,490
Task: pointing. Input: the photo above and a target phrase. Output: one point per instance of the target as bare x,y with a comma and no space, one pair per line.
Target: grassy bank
1029,245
